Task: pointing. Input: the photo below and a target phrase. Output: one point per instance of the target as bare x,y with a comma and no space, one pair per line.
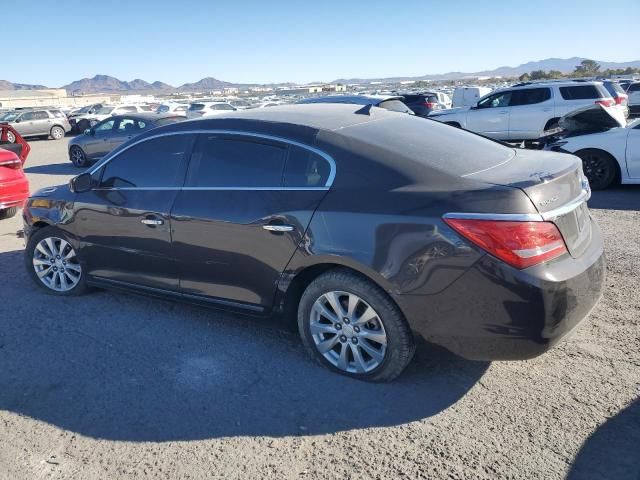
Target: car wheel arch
616,163
293,284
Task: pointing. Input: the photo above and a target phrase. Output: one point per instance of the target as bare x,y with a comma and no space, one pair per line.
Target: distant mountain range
108,84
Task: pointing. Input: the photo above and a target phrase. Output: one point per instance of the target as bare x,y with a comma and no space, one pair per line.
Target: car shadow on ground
66,168
620,197
124,367
613,451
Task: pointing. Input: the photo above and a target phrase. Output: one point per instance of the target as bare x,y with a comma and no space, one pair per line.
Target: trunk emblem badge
548,201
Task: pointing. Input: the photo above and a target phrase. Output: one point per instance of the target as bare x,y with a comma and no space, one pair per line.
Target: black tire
8,212
599,167
78,157
452,124
57,132
400,342
39,235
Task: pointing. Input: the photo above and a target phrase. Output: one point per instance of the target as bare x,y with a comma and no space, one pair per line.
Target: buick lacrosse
370,227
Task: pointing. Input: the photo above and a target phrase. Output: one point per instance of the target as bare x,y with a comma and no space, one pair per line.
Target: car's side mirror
89,131
17,120
81,183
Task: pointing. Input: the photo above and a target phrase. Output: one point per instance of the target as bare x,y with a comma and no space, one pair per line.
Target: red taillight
14,163
430,104
607,102
620,99
520,244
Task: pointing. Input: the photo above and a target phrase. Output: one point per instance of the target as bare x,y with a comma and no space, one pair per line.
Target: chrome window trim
277,189
328,158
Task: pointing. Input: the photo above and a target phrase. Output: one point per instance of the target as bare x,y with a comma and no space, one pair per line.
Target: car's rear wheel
11,138
78,157
57,133
8,212
53,263
351,326
599,167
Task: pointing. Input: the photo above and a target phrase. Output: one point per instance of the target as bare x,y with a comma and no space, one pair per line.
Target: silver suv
39,123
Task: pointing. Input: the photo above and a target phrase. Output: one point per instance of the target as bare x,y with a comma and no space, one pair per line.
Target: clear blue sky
182,41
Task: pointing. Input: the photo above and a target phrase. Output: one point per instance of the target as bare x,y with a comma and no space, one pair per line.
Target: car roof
150,116
356,99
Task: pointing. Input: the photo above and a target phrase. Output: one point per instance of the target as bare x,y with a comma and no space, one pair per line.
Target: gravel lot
112,385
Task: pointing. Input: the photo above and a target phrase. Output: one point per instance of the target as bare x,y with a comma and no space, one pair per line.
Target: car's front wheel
53,263
599,167
78,157
351,326
8,212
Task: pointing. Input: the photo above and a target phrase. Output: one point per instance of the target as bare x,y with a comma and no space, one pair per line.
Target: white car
208,109
634,98
179,109
525,111
90,119
609,148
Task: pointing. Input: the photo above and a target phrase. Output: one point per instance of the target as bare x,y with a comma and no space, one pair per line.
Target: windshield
9,116
105,111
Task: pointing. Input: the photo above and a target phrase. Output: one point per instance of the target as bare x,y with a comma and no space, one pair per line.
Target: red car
14,186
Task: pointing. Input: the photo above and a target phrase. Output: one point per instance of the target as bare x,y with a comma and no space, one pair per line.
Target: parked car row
44,123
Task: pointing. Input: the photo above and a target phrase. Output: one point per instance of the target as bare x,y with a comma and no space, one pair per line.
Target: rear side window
235,162
580,92
153,163
57,113
196,106
305,169
530,96
634,87
613,88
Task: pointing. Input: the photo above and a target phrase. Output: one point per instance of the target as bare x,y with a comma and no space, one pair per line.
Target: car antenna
366,110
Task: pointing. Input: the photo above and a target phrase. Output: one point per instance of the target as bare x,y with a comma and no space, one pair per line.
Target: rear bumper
496,312
13,193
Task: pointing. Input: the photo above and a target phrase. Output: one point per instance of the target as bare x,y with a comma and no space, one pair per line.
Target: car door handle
279,228
152,221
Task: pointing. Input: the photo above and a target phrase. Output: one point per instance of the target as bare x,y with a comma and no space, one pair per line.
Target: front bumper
496,312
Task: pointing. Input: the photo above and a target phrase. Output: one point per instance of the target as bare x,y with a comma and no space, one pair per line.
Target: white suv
208,109
526,110
634,98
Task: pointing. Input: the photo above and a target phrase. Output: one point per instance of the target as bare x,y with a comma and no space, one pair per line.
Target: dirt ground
112,385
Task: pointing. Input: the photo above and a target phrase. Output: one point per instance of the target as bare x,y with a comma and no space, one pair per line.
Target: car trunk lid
557,187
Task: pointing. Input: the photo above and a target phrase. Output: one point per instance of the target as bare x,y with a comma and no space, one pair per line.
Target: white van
468,96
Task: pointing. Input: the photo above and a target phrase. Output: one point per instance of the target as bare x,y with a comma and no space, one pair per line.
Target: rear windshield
430,143
221,106
580,92
613,88
196,106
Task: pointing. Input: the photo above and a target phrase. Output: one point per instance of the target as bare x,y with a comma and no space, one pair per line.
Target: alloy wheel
348,332
11,138
56,264
596,167
57,133
77,157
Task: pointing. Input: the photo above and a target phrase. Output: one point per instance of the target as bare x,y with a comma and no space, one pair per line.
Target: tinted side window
153,163
502,99
305,169
235,162
634,87
579,92
40,115
530,96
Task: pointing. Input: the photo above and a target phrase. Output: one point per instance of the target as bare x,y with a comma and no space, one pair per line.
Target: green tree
555,74
524,77
587,68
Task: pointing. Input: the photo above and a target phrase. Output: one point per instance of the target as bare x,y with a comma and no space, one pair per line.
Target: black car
394,103
106,135
370,228
421,103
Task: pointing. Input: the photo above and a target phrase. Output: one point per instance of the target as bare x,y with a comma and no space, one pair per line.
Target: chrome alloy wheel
348,332
56,264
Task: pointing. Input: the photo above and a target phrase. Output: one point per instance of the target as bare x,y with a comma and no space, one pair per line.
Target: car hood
449,111
591,119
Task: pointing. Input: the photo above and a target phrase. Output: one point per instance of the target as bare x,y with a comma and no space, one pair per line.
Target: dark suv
421,103
370,228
